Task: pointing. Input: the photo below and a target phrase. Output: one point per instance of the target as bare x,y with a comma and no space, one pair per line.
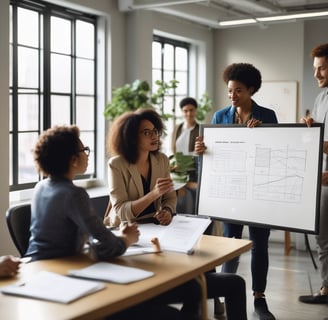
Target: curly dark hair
245,73
320,51
122,138
55,148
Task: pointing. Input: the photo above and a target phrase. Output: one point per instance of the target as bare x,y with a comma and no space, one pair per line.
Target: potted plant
137,95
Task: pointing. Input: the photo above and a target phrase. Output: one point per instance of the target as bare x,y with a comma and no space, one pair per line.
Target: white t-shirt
182,143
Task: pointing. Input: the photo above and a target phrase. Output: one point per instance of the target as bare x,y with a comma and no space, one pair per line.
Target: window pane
157,55
28,27
181,58
156,76
85,112
28,114
183,83
10,66
168,57
60,35
178,111
60,110
28,68
84,76
26,167
46,79
10,25
60,73
85,39
168,76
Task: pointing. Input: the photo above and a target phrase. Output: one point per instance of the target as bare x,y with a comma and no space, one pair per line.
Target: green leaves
130,97
204,107
137,95
181,165
180,162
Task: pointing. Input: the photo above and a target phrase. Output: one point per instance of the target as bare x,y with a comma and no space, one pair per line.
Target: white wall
142,25
277,51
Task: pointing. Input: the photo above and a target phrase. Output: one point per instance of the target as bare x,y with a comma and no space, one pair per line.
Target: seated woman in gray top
62,219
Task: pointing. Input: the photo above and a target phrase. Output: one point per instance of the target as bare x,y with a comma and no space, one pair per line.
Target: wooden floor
288,278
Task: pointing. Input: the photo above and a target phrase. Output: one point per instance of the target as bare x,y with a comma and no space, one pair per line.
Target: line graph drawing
279,174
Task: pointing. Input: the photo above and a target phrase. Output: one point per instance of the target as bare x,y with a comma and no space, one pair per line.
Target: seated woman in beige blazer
139,175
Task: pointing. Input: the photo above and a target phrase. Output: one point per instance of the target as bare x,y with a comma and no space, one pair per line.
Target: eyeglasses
86,150
149,133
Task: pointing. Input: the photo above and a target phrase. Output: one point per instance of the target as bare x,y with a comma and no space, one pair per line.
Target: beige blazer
125,186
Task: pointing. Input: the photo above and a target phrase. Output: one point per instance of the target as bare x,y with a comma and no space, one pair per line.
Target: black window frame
175,43
48,10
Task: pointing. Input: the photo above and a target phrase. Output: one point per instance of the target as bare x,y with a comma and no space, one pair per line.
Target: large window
52,81
170,61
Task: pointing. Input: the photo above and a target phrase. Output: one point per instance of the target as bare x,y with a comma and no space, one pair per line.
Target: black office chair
18,222
99,205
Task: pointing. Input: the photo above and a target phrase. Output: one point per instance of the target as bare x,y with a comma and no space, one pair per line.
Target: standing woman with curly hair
243,80
139,174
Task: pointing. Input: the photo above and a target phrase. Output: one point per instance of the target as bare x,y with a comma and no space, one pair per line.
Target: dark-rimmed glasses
149,133
86,150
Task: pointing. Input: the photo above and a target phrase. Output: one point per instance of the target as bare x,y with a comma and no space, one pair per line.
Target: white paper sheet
181,235
112,273
53,287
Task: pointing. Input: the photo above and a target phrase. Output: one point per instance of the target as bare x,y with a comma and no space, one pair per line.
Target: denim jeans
259,253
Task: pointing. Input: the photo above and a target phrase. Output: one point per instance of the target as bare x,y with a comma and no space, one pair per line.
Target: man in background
319,114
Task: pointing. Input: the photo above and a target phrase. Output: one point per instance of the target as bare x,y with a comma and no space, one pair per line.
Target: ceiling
211,12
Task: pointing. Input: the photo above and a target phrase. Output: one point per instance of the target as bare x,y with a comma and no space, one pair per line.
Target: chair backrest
99,205
18,222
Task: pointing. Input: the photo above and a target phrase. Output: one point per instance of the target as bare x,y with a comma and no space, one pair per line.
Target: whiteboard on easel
280,96
267,176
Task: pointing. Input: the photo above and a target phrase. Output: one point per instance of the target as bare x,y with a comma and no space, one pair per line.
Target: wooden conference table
171,269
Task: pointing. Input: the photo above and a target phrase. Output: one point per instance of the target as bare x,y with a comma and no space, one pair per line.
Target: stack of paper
53,287
111,272
181,235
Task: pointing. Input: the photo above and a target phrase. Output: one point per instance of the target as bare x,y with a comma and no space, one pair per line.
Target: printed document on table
53,287
111,272
180,235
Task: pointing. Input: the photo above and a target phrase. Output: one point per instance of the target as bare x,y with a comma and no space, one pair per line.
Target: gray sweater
62,219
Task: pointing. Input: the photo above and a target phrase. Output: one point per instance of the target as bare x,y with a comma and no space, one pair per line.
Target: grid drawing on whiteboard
278,174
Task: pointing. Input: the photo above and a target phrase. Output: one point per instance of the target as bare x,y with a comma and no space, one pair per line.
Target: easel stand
307,245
